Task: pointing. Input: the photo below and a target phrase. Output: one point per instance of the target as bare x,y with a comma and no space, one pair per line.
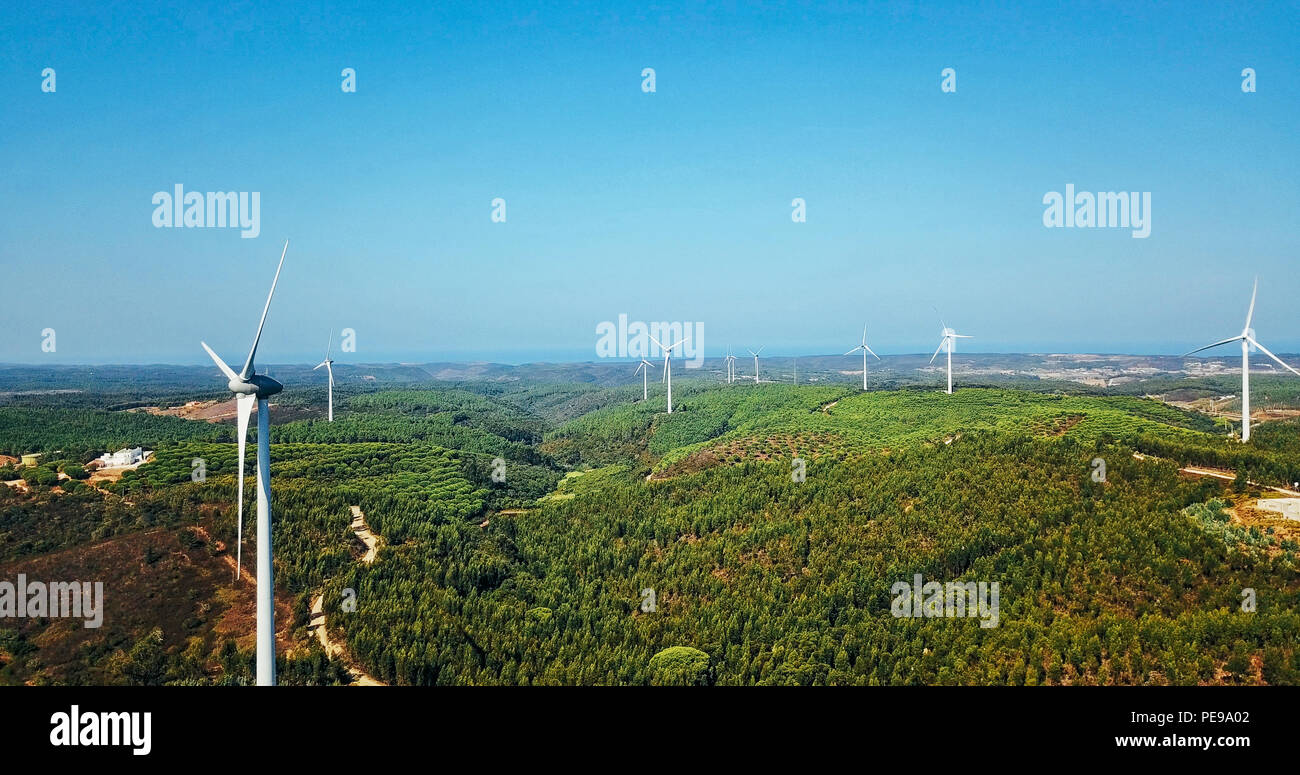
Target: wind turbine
950,338
249,387
329,368
1247,339
863,347
730,361
751,352
644,368
668,367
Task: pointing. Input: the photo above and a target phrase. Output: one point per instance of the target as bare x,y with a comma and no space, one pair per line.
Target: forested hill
784,420
522,526
762,579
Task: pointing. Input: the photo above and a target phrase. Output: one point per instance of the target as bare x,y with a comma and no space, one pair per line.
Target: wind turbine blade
317,366
229,372
855,349
244,407
248,364
761,349
942,322
1251,312
1265,350
942,342
868,349
962,336
864,334
684,341
656,341
1229,340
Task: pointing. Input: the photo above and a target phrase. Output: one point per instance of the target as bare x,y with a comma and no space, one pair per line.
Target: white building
124,458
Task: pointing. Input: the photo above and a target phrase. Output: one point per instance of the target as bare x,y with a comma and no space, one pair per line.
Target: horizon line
619,360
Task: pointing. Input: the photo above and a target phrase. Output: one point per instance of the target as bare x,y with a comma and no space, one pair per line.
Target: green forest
522,528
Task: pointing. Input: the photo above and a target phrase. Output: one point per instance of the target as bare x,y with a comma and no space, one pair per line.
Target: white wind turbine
249,387
1247,339
751,352
949,339
668,367
730,362
863,347
329,369
644,369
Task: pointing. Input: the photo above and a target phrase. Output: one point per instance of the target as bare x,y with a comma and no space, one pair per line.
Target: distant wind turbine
668,367
730,361
863,347
248,387
644,369
1247,339
329,369
949,340
751,352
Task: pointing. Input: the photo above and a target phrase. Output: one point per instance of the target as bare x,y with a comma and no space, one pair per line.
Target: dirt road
334,649
1218,474
362,531
317,623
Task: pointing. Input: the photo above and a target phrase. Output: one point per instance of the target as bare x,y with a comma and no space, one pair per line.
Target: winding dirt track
368,538
1225,474
317,623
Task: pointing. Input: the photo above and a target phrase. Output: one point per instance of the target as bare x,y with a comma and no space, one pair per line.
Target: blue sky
669,206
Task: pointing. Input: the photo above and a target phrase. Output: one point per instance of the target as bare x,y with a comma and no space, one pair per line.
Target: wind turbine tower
948,341
249,387
1247,339
329,369
644,369
668,367
865,349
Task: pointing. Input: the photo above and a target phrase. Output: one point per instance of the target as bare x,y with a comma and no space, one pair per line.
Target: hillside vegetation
520,540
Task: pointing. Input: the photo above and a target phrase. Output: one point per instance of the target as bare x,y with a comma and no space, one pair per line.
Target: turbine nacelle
258,385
